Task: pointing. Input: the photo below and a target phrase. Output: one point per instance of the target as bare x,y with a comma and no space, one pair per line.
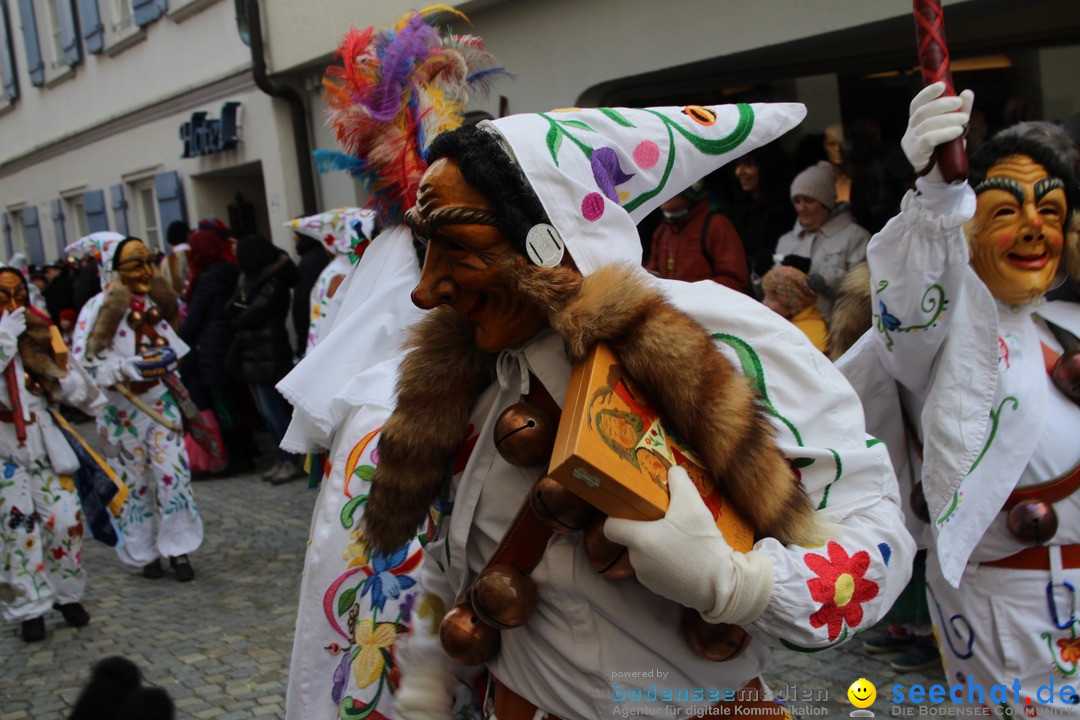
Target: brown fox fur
438,383
115,307
852,313
711,405
35,349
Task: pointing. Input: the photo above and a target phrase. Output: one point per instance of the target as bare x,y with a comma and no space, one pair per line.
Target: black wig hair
487,167
116,255
1041,145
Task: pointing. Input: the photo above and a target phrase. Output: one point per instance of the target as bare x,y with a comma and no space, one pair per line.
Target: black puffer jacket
205,329
260,351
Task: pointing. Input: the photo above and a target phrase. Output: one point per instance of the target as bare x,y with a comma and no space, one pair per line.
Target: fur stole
713,406
852,313
110,315
35,349
115,307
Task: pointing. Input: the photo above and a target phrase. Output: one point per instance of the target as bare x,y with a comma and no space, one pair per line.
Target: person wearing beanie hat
966,376
825,233
531,250
787,292
694,243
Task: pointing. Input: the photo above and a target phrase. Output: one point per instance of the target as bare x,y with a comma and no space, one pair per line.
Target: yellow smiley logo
862,693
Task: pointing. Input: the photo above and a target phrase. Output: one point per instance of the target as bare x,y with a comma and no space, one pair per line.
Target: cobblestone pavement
220,644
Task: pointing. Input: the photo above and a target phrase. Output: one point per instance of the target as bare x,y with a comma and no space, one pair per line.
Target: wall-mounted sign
206,136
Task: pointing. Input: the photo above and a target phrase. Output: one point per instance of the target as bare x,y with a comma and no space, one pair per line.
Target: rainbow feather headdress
393,92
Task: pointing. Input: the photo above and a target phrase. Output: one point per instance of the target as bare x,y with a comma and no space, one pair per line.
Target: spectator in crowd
212,278
174,267
260,353
59,290
826,241
762,210
788,293
86,284
693,243
314,257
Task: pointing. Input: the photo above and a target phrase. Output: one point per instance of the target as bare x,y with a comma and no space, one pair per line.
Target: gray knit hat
817,182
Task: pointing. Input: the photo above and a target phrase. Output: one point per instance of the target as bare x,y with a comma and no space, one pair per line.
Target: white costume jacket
970,374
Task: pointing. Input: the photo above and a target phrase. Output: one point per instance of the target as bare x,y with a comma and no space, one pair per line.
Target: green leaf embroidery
349,509
346,601
616,117
577,124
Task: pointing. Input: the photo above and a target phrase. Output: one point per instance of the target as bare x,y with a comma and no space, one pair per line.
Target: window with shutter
147,11
93,31
70,52
96,217
170,198
35,65
58,226
9,82
35,250
119,208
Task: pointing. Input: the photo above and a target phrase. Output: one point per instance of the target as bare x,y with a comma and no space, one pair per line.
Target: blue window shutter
69,37
34,64
162,7
145,11
9,82
93,31
94,204
32,232
170,197
119,208
58,227
5,220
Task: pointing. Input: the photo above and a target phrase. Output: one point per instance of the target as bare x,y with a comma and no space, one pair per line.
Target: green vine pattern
933,301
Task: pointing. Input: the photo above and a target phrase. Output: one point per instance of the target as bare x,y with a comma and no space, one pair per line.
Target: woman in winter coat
260,353
212,277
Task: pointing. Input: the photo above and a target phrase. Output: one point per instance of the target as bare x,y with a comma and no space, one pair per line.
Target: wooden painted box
613,450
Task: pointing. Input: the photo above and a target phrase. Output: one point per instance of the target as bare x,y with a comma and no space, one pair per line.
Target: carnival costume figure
41,524
973,369
126,337
532,259
355,603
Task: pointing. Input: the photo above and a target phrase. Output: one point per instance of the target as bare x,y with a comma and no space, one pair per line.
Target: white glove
934,120
684,557
425,694
12,325
116,370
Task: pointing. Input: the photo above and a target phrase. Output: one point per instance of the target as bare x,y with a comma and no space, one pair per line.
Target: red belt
1038,558
511,706
1051,491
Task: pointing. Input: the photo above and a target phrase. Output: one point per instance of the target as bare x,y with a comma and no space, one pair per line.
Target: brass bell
504,596
465,638
918,503
135,319
153,315
716,642
160,342
561,510
608,558
1032,521
1066,374
524,435
142,347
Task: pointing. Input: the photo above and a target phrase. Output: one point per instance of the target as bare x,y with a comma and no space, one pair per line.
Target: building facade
128,114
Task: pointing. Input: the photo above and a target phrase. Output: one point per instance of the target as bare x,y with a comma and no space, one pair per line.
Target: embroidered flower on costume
388,576
357,552
841,588
371,638
29,543
1069,649
607,172
58,553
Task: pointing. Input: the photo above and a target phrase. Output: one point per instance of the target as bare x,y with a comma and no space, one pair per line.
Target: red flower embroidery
58,552
840,587
1070,650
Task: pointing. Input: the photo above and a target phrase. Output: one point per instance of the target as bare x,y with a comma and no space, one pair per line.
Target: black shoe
33,629
152,570
182,566
74,613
